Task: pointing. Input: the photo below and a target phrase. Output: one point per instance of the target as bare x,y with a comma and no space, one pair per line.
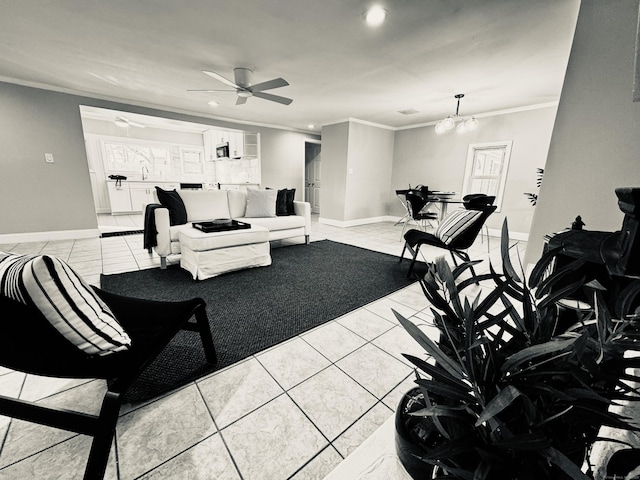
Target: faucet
145,172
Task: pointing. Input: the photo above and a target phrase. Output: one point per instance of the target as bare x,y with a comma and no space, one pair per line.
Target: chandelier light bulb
472,124
448,123
456,121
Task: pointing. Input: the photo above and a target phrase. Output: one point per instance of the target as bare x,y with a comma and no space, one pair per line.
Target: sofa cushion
205,204
173,201
281,203
291,195
237,203
261,203
69,304
455,224
277,223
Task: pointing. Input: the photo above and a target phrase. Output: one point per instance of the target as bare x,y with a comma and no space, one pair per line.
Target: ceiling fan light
245,93
472,124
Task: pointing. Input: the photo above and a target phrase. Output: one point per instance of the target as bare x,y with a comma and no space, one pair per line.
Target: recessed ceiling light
311,125
213,103
375,16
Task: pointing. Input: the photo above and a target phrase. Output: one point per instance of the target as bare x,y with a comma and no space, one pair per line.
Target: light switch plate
48,157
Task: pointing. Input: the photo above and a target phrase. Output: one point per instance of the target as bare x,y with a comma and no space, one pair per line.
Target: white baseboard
49,236
352,223
494,232
390,218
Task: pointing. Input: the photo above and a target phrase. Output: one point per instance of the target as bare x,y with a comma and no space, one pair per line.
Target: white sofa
202,205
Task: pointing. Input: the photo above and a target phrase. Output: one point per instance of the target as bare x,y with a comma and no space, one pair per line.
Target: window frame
501,177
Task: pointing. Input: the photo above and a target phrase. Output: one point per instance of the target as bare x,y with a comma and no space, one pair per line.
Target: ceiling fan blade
268,85
220,78
273,98
241,100
210,91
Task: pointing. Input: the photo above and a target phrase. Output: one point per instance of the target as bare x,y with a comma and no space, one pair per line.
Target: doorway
312,175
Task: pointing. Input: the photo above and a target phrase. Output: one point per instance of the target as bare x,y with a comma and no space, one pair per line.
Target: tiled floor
291,412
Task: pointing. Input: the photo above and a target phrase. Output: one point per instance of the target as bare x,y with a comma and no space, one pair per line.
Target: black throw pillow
291,193
281,203
171,199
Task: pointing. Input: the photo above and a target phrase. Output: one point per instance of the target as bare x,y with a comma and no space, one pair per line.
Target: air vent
408,111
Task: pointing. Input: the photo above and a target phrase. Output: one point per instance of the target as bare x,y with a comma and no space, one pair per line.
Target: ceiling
503,54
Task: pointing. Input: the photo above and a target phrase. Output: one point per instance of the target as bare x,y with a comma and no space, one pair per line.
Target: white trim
363,122
504,168
353,223
134,103
522,236
49,236
495,113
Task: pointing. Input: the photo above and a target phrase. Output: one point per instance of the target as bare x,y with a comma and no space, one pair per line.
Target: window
486,171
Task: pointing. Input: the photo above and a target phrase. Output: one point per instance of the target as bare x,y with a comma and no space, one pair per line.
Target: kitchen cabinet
131,197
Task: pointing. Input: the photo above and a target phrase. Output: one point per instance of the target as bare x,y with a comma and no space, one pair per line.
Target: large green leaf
445,390
450,365
529,353
437,373
530,441
567,466
498,403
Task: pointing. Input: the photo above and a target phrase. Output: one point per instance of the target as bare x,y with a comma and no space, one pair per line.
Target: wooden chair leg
103,437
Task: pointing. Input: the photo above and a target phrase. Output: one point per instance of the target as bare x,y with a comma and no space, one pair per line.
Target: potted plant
506,392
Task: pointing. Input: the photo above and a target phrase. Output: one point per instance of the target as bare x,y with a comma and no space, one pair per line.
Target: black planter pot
409,452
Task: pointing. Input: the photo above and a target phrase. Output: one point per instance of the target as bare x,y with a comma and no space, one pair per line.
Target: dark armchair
456,233
29,343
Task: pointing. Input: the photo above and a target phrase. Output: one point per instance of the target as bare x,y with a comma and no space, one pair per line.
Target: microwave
222,151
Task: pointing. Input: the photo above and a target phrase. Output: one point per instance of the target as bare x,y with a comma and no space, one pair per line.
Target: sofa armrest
304,210
163,246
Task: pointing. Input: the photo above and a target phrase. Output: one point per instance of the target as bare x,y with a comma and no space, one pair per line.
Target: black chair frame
414,239
31,345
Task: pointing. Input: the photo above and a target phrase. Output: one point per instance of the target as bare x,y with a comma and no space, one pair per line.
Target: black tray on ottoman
220,225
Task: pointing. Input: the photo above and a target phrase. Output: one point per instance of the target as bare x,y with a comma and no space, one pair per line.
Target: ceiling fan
125,122
243,88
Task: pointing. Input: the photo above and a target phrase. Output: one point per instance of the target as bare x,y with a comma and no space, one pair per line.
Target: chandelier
461,124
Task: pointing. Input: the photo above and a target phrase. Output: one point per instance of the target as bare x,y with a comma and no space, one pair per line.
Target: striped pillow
455,224
64,299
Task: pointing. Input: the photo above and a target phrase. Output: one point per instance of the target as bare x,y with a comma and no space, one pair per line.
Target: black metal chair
479,201
457,246
416,201
30,344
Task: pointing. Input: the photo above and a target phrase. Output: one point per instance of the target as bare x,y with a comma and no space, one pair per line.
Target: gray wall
41,197
438,161
357,161
595,146
369,166
335,141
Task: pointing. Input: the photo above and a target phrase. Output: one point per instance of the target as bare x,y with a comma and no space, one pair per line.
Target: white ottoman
206,255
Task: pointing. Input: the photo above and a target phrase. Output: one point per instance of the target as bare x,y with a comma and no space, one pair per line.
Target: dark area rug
253,309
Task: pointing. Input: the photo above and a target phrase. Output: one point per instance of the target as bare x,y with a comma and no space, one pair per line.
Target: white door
312,176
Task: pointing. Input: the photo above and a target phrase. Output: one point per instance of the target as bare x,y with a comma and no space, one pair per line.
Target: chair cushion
172,200
455,224
64,299
261,203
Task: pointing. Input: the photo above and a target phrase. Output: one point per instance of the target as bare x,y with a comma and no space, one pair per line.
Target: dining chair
479,201
100,335
456,233
416,202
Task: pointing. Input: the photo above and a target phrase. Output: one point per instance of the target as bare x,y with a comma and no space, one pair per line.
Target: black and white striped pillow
455,224
64,299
